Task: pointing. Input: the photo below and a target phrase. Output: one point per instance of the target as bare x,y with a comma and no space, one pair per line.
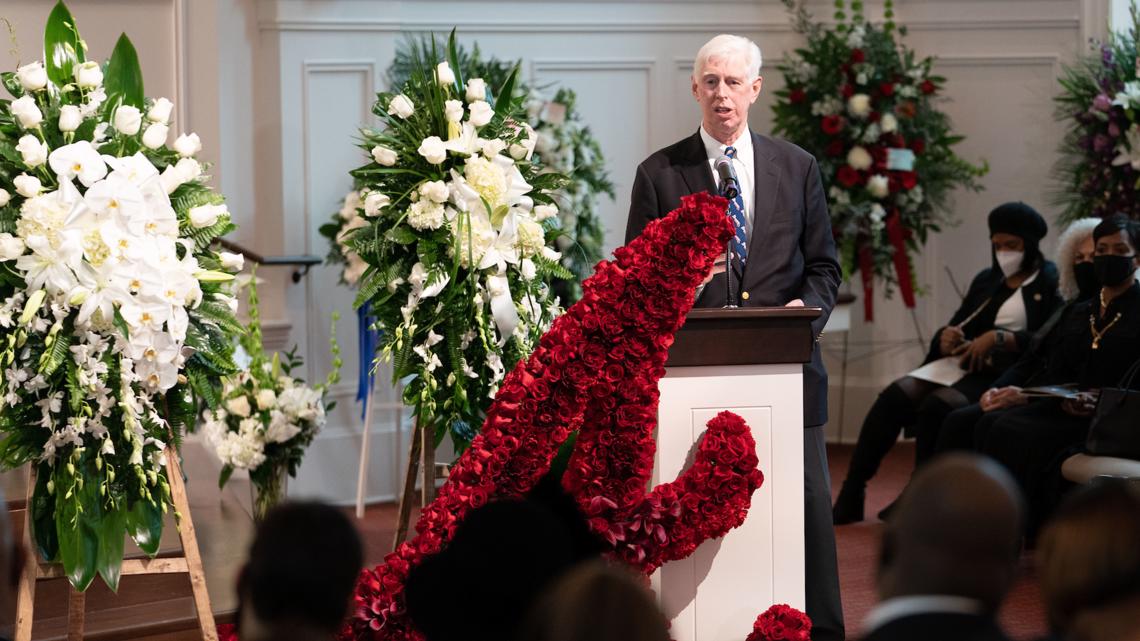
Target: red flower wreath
595,371
781,623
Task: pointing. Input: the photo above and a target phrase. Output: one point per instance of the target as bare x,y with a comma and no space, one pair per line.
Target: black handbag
1115,427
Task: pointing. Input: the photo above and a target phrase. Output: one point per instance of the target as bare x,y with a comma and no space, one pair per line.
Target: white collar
903,606
715,148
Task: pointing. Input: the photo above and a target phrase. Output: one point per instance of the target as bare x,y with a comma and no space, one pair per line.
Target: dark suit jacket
939,626
791,252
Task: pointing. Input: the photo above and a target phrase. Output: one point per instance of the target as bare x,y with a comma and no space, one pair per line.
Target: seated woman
963,429
1005,304
1099,340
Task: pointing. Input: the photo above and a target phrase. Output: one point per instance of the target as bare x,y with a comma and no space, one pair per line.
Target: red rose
918,146
796,96
909,179
847,176
847,90
831,125
857,56
928,87
887,89
835,148
906,110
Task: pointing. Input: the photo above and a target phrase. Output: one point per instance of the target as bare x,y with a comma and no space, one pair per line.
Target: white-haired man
785,256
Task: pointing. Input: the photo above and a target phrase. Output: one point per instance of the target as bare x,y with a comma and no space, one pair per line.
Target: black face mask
1113,270
1087,283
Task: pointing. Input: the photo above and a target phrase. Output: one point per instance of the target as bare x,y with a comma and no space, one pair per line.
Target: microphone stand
730,300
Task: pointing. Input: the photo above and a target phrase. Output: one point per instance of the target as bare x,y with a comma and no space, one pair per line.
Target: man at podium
783,254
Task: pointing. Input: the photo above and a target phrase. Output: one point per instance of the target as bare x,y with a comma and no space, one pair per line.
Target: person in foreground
784,255
1005,304
1089,564
297,584
949,554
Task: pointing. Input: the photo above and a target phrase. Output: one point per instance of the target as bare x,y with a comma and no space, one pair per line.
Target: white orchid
78,160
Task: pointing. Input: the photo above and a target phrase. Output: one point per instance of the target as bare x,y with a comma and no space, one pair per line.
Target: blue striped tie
736,211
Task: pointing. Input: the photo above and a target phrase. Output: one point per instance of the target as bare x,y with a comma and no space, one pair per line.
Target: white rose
859,158
384,156
128,120
878,186
444,75
519,152
239,406
34,152
476,90
173,176
70,118
453,110
542,212
5,197
266,399
527,269
155,135
436,190
206,215
11,247
26,112
88,75
401,106
481,113
493,147
160,111
232,261
889,123
433,150
187,145
374,202
859,105
32,76
27,186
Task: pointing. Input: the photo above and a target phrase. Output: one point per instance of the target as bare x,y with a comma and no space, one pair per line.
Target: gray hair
1074,235
729,45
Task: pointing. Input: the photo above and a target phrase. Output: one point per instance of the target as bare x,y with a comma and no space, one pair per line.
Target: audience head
1075,250
1117,238
499,560
595,602
956,531
301,572
1016,230
725,82
1089,560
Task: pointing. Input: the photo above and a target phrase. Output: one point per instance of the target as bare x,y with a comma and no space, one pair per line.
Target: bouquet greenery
866,107
115,316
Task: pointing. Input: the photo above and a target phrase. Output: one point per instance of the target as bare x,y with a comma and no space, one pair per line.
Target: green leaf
224,475
43,516
54,356
506,93
401,235
123,78
144,524
453,62
120,323
63,47
78,542
111,529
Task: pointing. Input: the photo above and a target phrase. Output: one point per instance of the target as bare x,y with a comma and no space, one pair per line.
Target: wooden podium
750,361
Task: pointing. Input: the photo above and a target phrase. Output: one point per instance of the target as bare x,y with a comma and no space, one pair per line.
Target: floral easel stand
190,561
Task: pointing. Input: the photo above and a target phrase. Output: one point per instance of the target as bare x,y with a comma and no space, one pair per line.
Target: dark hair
303,566
1119,222
1089,554
595,602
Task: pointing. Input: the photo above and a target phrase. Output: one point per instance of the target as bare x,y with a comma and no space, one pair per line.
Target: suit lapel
694,168
767,175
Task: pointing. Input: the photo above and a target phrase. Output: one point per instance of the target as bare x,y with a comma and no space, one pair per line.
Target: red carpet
1023,616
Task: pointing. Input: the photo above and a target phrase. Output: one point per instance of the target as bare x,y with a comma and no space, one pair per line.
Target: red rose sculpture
595,371
781,623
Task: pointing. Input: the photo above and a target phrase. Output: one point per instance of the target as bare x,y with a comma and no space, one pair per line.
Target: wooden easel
189,562
421,455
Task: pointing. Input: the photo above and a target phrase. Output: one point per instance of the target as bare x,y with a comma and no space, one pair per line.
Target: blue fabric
369,339
736,212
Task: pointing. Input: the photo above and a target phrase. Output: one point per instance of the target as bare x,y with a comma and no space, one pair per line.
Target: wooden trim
745,336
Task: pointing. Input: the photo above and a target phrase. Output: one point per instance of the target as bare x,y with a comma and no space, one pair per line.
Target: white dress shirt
904,606
744,166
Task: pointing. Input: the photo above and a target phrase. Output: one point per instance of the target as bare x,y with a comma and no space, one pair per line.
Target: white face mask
1010,262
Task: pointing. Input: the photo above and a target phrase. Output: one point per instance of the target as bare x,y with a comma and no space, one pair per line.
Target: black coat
791,251
1040,297
939,626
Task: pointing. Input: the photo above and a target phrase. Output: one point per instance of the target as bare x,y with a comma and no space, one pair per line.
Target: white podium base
716,594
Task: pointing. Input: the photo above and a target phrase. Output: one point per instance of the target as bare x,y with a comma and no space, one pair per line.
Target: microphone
729,188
